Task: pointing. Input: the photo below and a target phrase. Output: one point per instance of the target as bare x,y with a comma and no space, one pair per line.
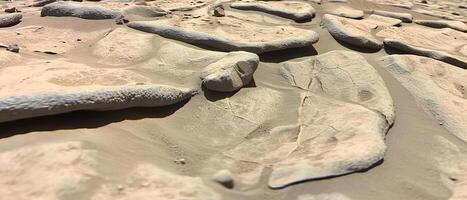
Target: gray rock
42,3
456,25
11,19
297,11
405,17
11,10
230,73
219,12
13,48
112,98
65,9
224,177
135,12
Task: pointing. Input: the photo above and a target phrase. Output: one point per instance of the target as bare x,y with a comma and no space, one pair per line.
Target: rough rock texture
405,17
447,45
438,87
11,19
42,3
150,182
381,21
231,34
65,9
230,73
137,12
456,25
66,166
297,11
396,3
344,11
354,32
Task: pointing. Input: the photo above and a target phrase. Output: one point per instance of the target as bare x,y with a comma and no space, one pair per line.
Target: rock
405,17
180,161
150,182
120,20
69,168
230,34
42,3
342,75
65,9
439,88
13,48
230,73
351,31
456,25
344,11
11,10
446,45
396,3
224,177
381,21
219,12
139,12
11,19
324,196
298,11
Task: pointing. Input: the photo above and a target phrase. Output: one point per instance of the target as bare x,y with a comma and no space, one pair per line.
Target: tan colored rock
456,25
66,9
345,11
298,11
447,45
396,3
324,196
67,167
404,17
438,87
139,12
150,182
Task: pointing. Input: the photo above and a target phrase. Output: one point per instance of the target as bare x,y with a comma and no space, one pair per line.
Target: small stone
121,20
120,187
219,12
180,161
424,1
13,48
224,177
12,10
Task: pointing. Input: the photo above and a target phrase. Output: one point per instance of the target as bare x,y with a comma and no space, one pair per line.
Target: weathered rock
69,168
42,3
324,196
65,9
381,21
150,182
344,11
230,73
138,12
438,87
405,17
13,48
230,34
351,31
37,90
224,177
298,11
219,12
456,25
120,20
446,45
10,19
396,3
11,10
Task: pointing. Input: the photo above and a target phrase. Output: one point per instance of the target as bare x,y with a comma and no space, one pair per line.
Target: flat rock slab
456,25
298,11
150,182
137,12
231,72
65,9
438,87
404,17
396,3
40,88
69,168
230,34
447,45
345,11
10,19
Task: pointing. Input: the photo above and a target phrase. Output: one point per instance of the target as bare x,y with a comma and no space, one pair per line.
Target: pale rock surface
138,12
230,73
46,171
404,17
230,34
10,19
324,196
345,11
294,10
150,182
66,9
439,88
447,45
396,3
456,25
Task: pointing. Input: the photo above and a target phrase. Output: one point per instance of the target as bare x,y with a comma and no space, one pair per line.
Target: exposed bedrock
404,17
456,25
298,11
65,9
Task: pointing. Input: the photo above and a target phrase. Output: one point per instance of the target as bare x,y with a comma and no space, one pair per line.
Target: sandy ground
129,137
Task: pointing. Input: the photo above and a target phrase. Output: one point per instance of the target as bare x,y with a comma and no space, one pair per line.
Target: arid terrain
211,100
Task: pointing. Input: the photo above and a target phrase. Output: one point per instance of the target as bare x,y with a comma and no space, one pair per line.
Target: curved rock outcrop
456,25
298,11
404,17
65,9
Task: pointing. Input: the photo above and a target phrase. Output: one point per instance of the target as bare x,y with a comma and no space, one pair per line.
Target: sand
125,152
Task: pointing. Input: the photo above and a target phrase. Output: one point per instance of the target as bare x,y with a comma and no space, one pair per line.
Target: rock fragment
10,19
224,177
11,10
65,9
13,48
230,73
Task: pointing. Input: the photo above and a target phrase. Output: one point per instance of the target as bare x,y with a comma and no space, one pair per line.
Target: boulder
404,17
11,19
230,34
298,11
439,88
230,73
446,44
456,25
66,9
